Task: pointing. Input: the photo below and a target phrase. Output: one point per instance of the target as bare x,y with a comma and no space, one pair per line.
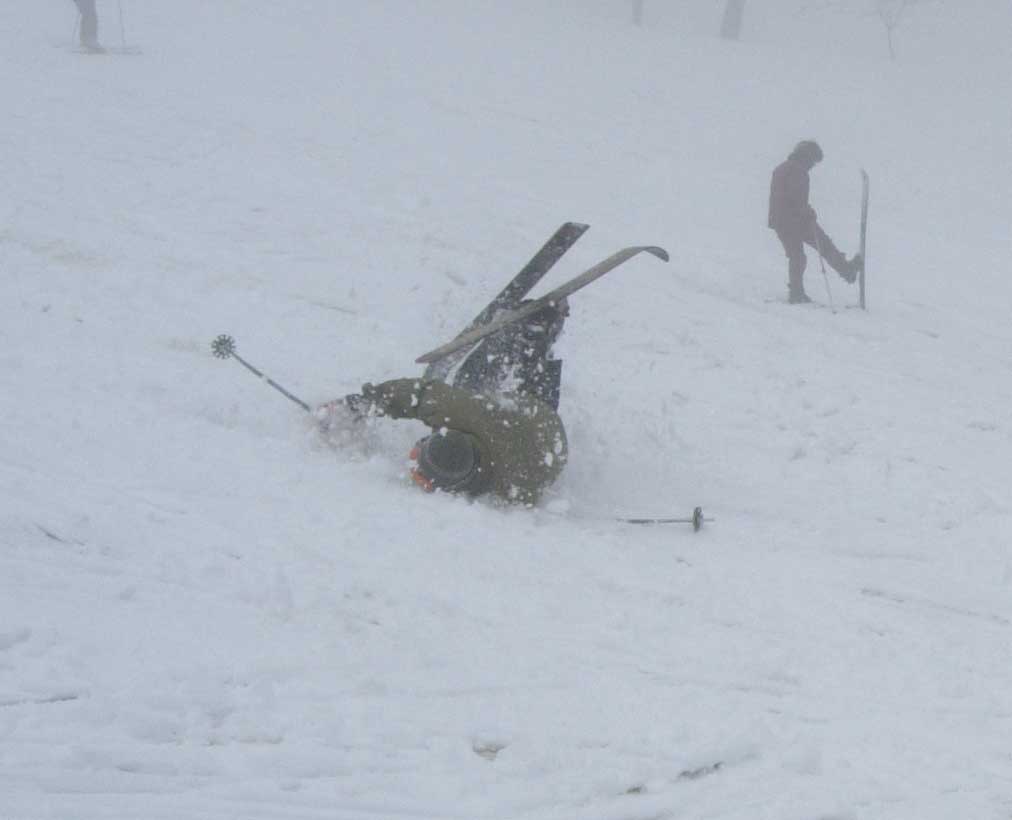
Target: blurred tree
730,26
889,12
638,12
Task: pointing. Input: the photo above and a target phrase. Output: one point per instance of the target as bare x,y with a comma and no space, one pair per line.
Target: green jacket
521,441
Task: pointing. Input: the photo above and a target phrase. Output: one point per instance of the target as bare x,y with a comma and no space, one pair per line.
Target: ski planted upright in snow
517,288
865,184
518,314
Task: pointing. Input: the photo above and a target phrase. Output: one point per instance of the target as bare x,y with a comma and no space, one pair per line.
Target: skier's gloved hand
397,398
356,403
338,417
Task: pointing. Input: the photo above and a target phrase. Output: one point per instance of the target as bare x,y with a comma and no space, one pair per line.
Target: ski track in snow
206,611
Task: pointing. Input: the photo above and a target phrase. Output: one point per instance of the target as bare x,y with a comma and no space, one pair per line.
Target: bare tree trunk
892,47
638,12
730,27
890,12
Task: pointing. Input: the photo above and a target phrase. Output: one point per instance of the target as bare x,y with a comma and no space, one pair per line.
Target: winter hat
447,460
807,151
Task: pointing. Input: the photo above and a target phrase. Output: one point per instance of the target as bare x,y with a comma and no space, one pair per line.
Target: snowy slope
208,612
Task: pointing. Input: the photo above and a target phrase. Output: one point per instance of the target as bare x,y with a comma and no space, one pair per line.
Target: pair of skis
511,295
505,309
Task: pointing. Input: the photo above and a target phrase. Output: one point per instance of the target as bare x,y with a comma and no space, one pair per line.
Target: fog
209,609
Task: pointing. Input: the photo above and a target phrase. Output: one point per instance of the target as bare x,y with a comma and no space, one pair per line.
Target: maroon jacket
790,212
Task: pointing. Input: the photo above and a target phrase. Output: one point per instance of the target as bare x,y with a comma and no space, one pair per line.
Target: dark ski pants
518,359
89,22
794,243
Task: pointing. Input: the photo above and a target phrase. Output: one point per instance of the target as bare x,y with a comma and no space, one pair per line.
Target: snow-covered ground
208,612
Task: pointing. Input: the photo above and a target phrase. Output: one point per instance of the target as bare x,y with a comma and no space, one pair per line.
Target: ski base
110,51
810,304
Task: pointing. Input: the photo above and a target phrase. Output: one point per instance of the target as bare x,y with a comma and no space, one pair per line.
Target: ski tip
657,251
434,355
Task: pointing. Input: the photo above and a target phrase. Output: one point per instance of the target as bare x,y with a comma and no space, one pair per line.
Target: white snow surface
206,611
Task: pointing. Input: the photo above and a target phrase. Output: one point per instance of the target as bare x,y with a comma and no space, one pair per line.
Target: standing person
795,222
89,26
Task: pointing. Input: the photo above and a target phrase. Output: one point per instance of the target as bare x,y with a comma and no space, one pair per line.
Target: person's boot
854,265
796,289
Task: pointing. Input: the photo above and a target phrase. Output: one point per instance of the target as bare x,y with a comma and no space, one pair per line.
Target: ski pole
224,347
822,264
696,520
122,27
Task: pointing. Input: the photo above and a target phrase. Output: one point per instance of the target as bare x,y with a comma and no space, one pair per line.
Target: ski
812,303
518,314
109,51
517,288
865,185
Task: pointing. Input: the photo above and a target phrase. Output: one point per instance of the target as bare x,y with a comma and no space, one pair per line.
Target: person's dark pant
89,22
518,359
794,242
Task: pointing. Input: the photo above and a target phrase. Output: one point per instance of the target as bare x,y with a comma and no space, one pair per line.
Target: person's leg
485,366
824,245
540,378
89,23
796,264
539,373
518,359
